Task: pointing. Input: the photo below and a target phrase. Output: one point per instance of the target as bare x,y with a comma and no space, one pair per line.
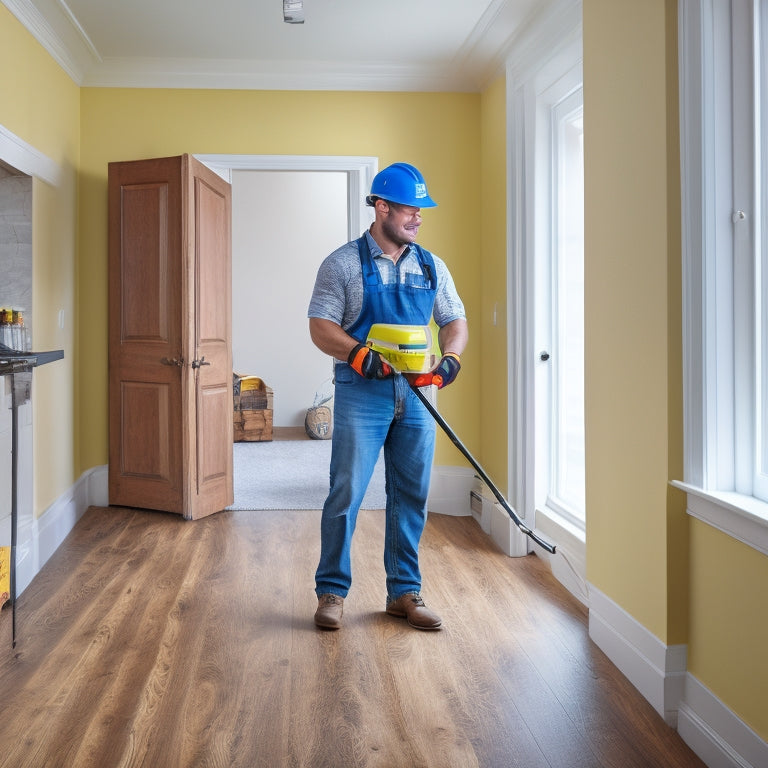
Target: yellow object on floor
5,575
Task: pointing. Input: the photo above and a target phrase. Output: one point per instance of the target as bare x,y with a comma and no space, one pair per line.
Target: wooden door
209,207
170,368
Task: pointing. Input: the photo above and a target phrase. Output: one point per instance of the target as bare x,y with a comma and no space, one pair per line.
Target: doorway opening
288,214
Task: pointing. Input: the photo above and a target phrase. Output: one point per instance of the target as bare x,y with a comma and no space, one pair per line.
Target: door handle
199,363
173,361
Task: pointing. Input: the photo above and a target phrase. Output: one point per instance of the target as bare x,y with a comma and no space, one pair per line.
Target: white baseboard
655,669
495,520
54,525
449,491
658,671
503,531
714,733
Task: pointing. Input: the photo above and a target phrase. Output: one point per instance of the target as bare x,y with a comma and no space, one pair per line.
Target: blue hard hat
401,183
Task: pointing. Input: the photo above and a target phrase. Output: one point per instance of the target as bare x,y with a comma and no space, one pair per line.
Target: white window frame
550,53
717,243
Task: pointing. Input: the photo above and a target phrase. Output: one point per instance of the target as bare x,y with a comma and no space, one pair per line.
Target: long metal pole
14,502
487,480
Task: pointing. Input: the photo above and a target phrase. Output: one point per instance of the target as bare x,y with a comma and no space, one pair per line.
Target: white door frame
360,172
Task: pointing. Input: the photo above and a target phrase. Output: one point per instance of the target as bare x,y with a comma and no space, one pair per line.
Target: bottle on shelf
6,327
13,333
19,331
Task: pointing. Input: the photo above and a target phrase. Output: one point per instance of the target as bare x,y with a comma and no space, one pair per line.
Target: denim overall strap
399,303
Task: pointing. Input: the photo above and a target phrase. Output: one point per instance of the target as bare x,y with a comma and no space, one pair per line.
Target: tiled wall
16,292
16,243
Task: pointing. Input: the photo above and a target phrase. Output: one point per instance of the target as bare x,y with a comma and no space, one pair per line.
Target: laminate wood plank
570,666
149,641
502,629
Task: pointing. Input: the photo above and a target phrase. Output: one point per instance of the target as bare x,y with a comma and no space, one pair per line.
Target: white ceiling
395,45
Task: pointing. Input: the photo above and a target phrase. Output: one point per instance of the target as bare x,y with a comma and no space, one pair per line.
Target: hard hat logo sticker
421,190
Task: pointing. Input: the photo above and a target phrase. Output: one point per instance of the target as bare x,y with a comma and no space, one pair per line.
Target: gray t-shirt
338,292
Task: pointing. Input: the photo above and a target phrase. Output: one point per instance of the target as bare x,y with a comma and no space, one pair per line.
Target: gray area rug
291,474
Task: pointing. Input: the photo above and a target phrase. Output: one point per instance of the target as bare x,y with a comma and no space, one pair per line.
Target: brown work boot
329,610
411,606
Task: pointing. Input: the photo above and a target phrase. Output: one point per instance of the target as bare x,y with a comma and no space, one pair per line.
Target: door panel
144,263
214,456
145,395
210,198
170,366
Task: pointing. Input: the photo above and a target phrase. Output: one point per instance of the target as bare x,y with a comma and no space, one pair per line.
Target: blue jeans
369,415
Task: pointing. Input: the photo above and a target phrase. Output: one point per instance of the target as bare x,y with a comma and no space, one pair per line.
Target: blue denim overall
369,415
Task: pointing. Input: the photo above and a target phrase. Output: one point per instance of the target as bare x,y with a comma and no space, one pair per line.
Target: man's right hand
369,364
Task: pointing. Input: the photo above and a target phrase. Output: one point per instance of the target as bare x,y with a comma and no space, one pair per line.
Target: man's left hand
447,369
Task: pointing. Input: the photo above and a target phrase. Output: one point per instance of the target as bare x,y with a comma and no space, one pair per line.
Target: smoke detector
293,11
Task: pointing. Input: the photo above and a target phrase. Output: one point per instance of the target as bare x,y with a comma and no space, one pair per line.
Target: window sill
744,518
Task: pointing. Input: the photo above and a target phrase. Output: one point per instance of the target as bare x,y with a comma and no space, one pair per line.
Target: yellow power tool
407,348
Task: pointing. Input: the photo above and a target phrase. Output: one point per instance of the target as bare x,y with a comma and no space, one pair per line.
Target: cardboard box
253,426
252,409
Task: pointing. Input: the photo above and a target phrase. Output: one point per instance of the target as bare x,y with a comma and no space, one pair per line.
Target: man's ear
382,205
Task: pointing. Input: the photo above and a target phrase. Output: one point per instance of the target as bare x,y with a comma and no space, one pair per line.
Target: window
724,155
566,492
559,303
760,314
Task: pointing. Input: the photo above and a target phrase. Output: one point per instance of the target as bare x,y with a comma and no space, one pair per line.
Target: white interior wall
284,223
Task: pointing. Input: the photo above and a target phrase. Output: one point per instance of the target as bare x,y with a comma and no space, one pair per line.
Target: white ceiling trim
480,58
270,75
25,158
556,28
54,28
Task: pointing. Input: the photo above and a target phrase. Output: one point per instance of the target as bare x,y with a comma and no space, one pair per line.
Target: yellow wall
492,339
677,519
626,318
729,629
684,581
40,104
437,132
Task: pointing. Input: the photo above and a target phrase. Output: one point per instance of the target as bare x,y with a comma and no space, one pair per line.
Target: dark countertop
13,361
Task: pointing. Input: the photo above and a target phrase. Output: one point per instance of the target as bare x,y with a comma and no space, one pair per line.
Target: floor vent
476,505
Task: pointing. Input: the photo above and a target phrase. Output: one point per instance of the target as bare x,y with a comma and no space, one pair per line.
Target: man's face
400,223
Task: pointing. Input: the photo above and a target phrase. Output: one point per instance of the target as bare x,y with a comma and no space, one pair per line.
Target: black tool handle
487,480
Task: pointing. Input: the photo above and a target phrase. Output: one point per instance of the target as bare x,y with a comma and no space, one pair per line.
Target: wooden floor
150,641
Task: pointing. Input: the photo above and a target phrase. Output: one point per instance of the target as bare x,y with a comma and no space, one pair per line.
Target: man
383,277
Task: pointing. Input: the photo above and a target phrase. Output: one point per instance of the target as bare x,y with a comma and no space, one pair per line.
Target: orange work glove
369,364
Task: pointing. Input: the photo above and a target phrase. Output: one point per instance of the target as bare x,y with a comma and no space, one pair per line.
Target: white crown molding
51,23
555,27
270,75
482,57
491,34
